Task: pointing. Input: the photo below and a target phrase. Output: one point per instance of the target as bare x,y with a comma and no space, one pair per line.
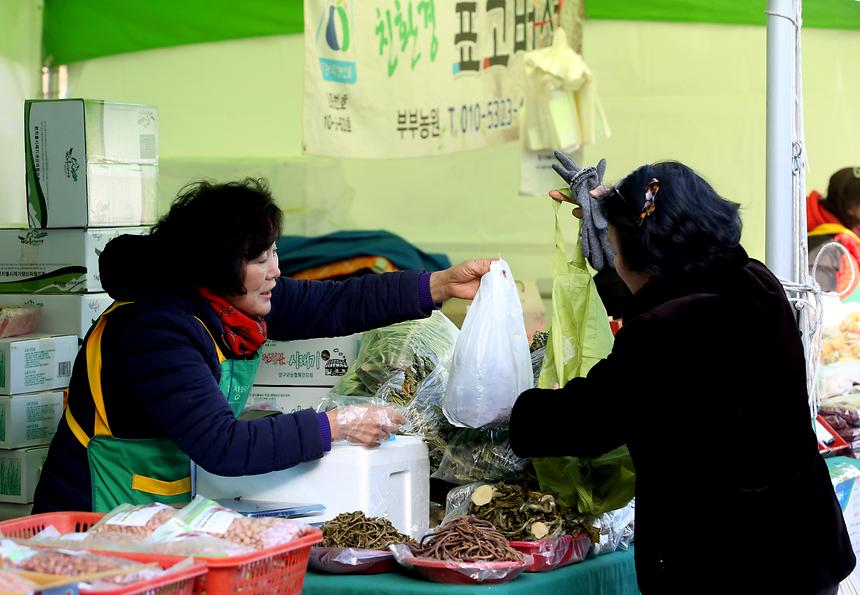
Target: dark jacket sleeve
580,419
167,361
304,309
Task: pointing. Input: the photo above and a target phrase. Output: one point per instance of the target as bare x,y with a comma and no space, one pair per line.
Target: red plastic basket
279,569
176,583
549,554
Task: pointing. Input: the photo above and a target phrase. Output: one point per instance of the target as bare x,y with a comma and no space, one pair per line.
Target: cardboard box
19,473
29,419
32,363
310,362
56,260
533,308
67,314
90,163
13,511
286,399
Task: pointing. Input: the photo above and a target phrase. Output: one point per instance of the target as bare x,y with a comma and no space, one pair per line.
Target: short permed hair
215,228
691,228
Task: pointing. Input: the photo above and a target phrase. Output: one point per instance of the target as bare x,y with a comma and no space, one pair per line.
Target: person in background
164,373
706,385
836,218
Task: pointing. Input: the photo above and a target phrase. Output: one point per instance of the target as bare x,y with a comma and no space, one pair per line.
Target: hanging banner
409,78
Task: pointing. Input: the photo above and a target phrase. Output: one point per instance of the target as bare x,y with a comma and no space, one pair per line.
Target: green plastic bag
579,337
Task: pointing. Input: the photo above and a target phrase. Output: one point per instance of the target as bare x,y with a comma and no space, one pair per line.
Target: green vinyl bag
579,337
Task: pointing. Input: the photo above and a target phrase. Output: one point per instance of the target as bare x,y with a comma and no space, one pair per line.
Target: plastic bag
342,560
482,455
616,529
578,338
62,562
553,552
202,515
130,522
491,364
18,320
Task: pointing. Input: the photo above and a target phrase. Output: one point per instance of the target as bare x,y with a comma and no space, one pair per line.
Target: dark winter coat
160,371
706,384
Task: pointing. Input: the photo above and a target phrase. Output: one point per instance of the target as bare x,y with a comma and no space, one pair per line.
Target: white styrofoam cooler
391,481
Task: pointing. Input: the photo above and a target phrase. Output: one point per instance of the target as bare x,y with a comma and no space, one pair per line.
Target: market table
611,573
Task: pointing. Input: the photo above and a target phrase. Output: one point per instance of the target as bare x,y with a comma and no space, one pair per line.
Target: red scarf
243,334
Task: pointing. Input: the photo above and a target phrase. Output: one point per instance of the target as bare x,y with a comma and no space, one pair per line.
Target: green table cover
611,573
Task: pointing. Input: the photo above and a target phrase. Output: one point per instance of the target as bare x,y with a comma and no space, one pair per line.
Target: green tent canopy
76,30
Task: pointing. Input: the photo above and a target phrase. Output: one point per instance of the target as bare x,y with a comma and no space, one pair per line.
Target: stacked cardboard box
91,169
297,375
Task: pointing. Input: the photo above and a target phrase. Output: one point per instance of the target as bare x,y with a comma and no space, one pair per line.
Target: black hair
691,228
215,228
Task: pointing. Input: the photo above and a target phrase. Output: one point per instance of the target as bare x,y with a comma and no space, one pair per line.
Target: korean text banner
409,78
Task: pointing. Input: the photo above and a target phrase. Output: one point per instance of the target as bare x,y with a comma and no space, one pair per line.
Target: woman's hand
368,425
563,195
460,281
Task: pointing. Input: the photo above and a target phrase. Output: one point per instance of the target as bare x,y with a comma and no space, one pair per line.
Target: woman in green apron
165,371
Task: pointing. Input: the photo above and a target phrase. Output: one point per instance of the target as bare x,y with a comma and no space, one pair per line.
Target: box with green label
62,314
32,363
307,362
19,473
286,399
54,260
29,419
90,163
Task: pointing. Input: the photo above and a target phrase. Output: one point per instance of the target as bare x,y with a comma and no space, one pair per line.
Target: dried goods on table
355,530
466,539
521,514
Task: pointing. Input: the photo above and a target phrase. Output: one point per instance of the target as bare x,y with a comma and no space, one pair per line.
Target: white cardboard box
54,260
65,314
391,481
286,399
31,363
19,473
310,362
90,163
29,419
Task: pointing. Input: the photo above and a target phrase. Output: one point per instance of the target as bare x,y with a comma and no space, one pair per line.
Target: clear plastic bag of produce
131,523
64,562
491,364
481,455
846,407
206,516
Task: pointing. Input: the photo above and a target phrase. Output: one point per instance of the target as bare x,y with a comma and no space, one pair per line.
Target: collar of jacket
714,279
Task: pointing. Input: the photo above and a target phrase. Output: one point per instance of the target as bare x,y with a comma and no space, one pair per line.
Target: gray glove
595,230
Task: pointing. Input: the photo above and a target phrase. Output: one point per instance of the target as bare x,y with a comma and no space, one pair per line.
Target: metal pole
780,98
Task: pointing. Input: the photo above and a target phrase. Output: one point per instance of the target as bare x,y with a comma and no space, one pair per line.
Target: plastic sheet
338,560
554,552
616,529
443,571
18,320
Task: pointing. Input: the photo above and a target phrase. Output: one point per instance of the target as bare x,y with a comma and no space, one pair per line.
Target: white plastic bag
491,364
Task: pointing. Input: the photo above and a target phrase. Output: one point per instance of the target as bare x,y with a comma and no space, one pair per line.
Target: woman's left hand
460,281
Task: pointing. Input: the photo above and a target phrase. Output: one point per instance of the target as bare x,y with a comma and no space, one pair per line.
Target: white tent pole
780,97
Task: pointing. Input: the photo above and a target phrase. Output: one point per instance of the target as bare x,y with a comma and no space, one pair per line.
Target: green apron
145,470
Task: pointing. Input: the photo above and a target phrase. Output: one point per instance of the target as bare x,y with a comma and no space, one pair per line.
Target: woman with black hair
706,385
166,370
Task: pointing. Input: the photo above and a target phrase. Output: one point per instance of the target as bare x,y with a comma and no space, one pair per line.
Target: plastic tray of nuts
279,569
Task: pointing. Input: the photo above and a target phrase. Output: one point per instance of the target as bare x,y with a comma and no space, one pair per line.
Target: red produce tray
355,561
280,569
467,573
555,552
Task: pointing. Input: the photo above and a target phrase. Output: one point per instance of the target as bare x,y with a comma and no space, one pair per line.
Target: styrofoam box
19,473
309,362
29,419
90,163
54,260
64,314
31,363
391,481
286,399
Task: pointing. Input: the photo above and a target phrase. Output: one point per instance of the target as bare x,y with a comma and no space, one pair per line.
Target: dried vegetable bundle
521,514
466,539
355,530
